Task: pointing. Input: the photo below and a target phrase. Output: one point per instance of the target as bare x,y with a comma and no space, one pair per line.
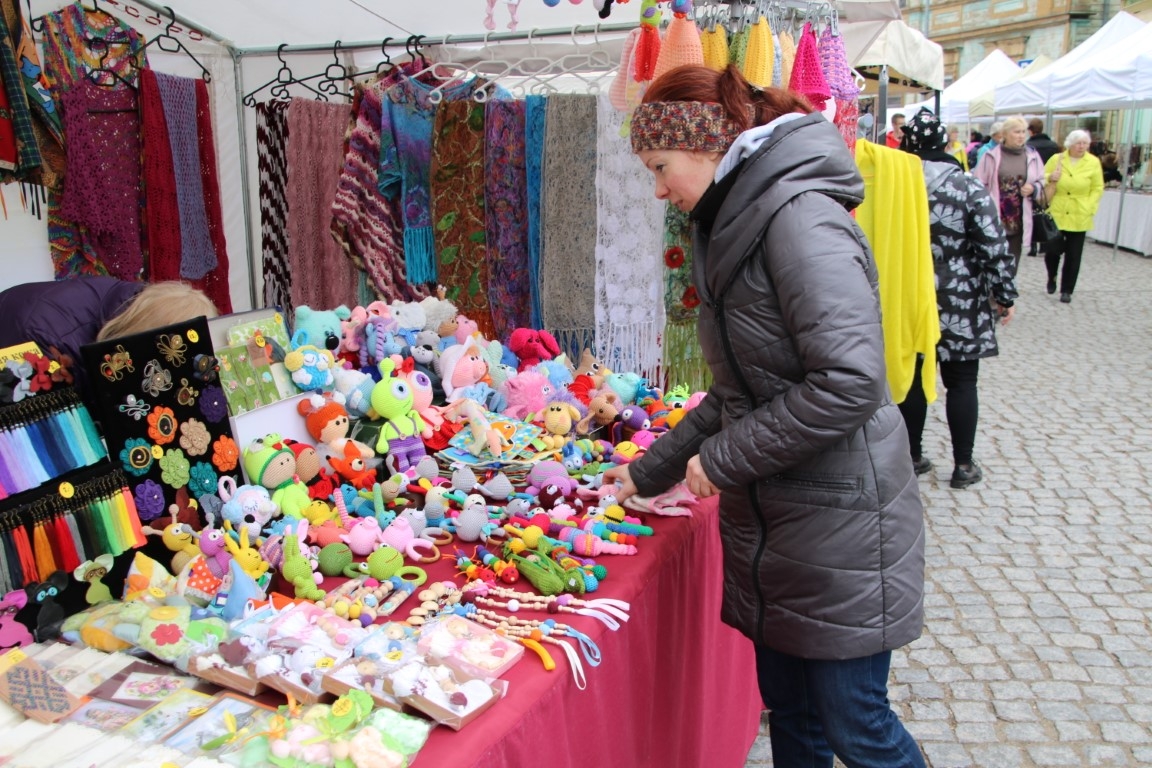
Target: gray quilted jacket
820,513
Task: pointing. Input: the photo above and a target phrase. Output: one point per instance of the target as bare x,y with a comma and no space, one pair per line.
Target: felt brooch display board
164,413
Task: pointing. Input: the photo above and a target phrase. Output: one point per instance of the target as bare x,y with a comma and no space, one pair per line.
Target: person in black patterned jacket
975,287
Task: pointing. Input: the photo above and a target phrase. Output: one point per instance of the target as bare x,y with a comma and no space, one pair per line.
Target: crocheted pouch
834,62
807,76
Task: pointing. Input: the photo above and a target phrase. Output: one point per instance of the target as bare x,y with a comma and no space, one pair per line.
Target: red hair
745,105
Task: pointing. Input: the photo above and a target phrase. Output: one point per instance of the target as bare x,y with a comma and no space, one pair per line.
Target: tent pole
881,121
492,37
162,12
1131,116
242,128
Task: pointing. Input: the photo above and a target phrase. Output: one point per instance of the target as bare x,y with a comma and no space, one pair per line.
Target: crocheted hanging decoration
647,50
759,60
714,43
681,46
847,116
738,48
787,48
777,62
834,62
617,92
807,77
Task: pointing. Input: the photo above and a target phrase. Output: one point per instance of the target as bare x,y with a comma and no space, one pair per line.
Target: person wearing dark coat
820,515
1040,141
975,288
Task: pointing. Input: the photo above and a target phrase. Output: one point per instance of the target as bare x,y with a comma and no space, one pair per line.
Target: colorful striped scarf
271,143
506,206
534,173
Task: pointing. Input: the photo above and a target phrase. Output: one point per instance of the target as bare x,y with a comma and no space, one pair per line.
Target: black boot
965,475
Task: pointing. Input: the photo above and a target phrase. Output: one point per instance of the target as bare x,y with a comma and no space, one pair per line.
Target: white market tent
906,50
1034,92
238,41
994,69
1117,78
984,104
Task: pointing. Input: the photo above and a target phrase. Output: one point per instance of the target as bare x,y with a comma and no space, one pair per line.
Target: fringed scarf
272,163
458,208
102,188
629,242
568,201
683,360
162,223
323,276
365,223
534,171
506,206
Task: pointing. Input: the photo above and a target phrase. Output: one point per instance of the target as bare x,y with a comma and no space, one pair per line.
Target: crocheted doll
271,463
532,346
461,368
328,422
400,436
310,366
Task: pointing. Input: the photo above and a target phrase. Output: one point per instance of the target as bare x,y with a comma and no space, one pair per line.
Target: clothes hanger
279,85
333,74
94,72
168,43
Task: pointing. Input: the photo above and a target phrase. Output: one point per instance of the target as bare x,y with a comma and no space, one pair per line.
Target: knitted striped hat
694,126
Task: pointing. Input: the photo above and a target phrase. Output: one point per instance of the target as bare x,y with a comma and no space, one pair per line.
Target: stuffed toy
626,385
381,340
461,368
51,614
352,469
328,422
527,393
602,411
91,573
248,507
559,421
589,365
356,387
179,538
12,632
532,346
631,420
502,364
410,319
466,330
439,314
423,395
247,556
558,371
484,435
310,366
271,463
424,353
325,328
400,436
352,335
546,473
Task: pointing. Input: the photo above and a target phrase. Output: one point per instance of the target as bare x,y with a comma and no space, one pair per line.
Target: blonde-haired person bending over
1075,184
67,314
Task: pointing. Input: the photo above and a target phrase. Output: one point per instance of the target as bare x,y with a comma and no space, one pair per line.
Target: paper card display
28,687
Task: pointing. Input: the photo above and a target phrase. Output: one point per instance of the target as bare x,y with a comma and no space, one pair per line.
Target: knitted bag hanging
506,208
271,138
681,46
787,48
715,47
759,59
619,88
738,48
807,76
647,50
459,230
834,62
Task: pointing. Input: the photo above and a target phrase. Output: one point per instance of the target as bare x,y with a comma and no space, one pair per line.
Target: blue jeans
818,709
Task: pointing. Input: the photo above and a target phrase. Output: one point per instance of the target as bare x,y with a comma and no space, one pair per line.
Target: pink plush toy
364,537
465,329
528,393
460,367
12,632
532,346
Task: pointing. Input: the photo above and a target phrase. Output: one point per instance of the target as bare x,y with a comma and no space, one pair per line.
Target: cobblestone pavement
1037,649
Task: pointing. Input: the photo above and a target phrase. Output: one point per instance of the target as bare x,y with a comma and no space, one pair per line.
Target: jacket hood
935,173
805,155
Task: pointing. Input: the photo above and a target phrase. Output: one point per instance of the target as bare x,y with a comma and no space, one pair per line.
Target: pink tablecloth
676,687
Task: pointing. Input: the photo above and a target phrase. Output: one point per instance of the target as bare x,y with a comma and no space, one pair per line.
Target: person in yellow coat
957,148
1075,184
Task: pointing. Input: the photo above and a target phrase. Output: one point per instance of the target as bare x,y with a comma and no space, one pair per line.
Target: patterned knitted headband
694,126
924,132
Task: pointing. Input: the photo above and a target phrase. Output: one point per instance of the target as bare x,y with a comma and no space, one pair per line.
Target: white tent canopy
983,105
1116,78
908,52
1034,92
994,69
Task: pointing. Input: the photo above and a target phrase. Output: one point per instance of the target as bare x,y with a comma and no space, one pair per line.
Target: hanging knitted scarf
272,164
714,43
534,114
629,281
19,152
102,188
807,75
162,210
197,254
760,58
47,131
683,360
506,206
777,62
681,46
67,59
323,276
787,58
365,223
405,160
568,250
458,208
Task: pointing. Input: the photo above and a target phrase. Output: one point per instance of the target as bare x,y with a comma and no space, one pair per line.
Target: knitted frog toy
392,399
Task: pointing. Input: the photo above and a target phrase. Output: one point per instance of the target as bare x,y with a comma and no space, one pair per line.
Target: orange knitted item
787,56
681,46
714,43
646,53
759,59
617,92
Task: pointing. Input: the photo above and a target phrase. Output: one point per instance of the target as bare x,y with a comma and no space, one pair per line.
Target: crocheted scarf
215,283
178,96
506,205
629,243
271,143
324,276
534,171
365,223
405,161
683,359
568,200
458,208
102,188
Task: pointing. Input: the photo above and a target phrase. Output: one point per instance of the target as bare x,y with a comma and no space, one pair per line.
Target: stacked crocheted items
681,46
365,223
102,188
458,208
807,75
568,250
324,275
506,209
271,141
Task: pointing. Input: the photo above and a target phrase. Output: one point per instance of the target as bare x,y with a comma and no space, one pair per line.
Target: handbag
1044,229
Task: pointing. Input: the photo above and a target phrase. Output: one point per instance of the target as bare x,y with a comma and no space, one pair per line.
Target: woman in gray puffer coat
820,515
